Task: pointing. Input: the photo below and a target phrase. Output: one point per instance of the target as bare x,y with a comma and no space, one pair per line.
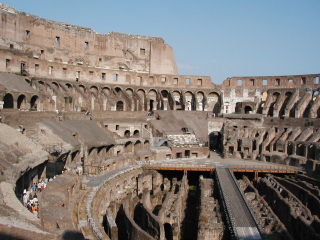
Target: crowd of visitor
30,198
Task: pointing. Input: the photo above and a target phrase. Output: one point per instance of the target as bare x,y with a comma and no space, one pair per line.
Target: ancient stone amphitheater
129,149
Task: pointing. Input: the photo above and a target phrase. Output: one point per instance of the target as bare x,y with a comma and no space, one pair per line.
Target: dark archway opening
168,231
275,99
300,150
21,101
290,149
215,141
136,133
285,103
33,103
8,101
187,153
247,110
312,152
151,105
127,133
119,106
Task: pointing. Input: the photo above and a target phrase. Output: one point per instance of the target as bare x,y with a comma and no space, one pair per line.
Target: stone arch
146,144
300,149
82,89
136,133
129,95
118,89
214,102
315,108
127,133
137,145
21,102
190,102
285,103
178,100
41,85
120,106
70,88
247,109
141,102
34,103
129,92
311,152
55,86
201,101
275,96
264,97
105,92
93,154
8,101
49,88
152,100
290,148
94,97
128,147
110,150
166,100
94,90
68,103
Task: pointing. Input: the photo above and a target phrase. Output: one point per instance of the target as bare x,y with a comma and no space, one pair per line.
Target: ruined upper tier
70,45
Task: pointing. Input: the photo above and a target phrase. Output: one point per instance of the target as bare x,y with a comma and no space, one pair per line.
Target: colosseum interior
102,138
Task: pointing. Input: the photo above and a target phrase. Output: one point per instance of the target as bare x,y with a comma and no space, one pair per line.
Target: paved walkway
216,161
94,181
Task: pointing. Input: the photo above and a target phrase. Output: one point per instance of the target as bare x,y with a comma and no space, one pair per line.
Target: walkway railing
192,164
241,220
96,226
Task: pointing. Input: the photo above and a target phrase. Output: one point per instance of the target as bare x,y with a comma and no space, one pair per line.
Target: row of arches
135,134
292,104
120,98
21,102
112,151
136,146
303,149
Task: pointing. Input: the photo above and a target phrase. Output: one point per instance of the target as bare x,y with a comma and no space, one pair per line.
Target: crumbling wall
128,229
292,214
147,221
210,225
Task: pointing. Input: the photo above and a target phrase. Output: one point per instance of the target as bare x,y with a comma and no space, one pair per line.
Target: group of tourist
30,198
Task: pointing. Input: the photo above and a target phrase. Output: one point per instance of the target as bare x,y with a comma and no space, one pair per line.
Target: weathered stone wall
64,43
210,225
297,222
147,221
130,230
289,142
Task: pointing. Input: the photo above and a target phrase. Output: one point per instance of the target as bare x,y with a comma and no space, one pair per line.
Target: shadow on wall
72,235
8,237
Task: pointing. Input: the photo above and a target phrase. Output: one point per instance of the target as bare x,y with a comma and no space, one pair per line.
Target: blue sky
216,38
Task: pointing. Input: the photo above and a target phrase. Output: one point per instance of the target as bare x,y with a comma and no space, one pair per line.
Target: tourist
34,209
25,198
34,187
